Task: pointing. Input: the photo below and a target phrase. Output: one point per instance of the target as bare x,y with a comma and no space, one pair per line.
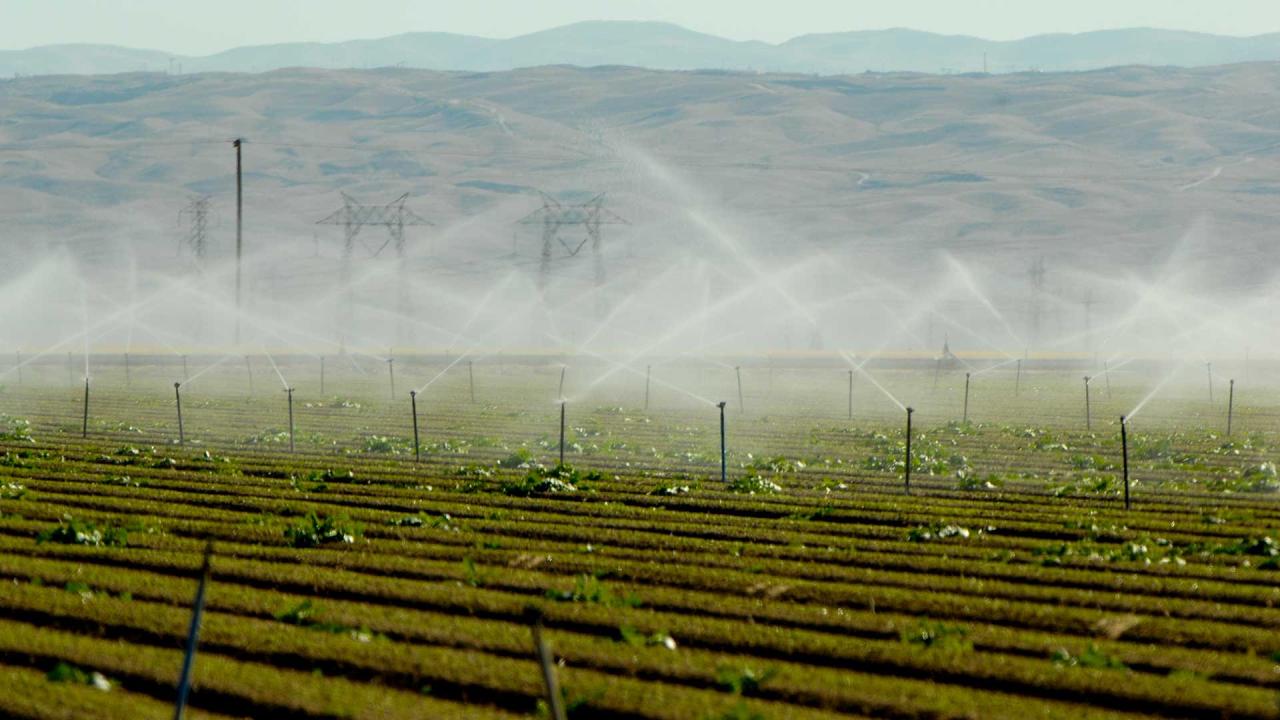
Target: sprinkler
1017,379
850,394
741,407
1209,369
562,404
906,474
413,403
648,373
84,429
322,375
128,378
248,370
546,661
965,417
1231,404
724,453
391,375
177,396
471,380
1124,450
290,393
193,635
1088,415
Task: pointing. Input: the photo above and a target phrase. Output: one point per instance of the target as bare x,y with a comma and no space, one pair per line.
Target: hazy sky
194,27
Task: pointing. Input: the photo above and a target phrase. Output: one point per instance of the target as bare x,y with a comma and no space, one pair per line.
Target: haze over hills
670,47
1127,171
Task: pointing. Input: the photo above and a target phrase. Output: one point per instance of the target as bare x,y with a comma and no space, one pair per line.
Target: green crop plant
71,531
316,530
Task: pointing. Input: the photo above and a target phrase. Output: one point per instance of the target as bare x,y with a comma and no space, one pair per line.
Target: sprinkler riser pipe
322,375
906,475
1017,379
965,417
471,380
546,661
1231,404
562,405
724,452
84,430
413,403
289,391
193,637
248,370
1088,411
391,376
1124,450
1209,369
850,394
177,396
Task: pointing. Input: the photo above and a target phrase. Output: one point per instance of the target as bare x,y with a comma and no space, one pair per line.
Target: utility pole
239,233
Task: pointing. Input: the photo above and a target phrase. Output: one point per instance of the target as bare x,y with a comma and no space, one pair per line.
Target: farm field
349,580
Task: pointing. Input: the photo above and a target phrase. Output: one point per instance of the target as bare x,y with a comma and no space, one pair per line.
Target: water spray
471,380
906,471
562,405
18,356
71,381
289,391
1231,403
185,374
562,369
248,371
1124,451
724,453
648,374
741,406
1088,412
965,417
1106,375
84,429
413,403
1017,379
128,377
193,635
177,396
937,370
322,376
391,375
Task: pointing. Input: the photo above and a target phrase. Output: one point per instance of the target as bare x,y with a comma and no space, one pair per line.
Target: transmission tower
553,216
196,216
395,217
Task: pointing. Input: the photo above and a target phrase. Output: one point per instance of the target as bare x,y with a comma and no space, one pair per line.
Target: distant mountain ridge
663,46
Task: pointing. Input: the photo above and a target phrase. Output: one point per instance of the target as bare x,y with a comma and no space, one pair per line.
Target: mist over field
1010,213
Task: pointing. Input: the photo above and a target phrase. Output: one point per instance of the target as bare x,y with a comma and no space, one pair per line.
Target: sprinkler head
721,404
177,385
413,393
910,410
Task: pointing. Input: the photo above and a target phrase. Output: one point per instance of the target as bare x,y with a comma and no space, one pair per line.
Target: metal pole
1231,404
1124,449
290,392
546,661
84,430
193,635
177,396
1106,374
850,394
562,404
741,406
906,475
239,233
965,418
724,453
1209,368
1017,379
471,380
322,375
1088,414
391,375
413,402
